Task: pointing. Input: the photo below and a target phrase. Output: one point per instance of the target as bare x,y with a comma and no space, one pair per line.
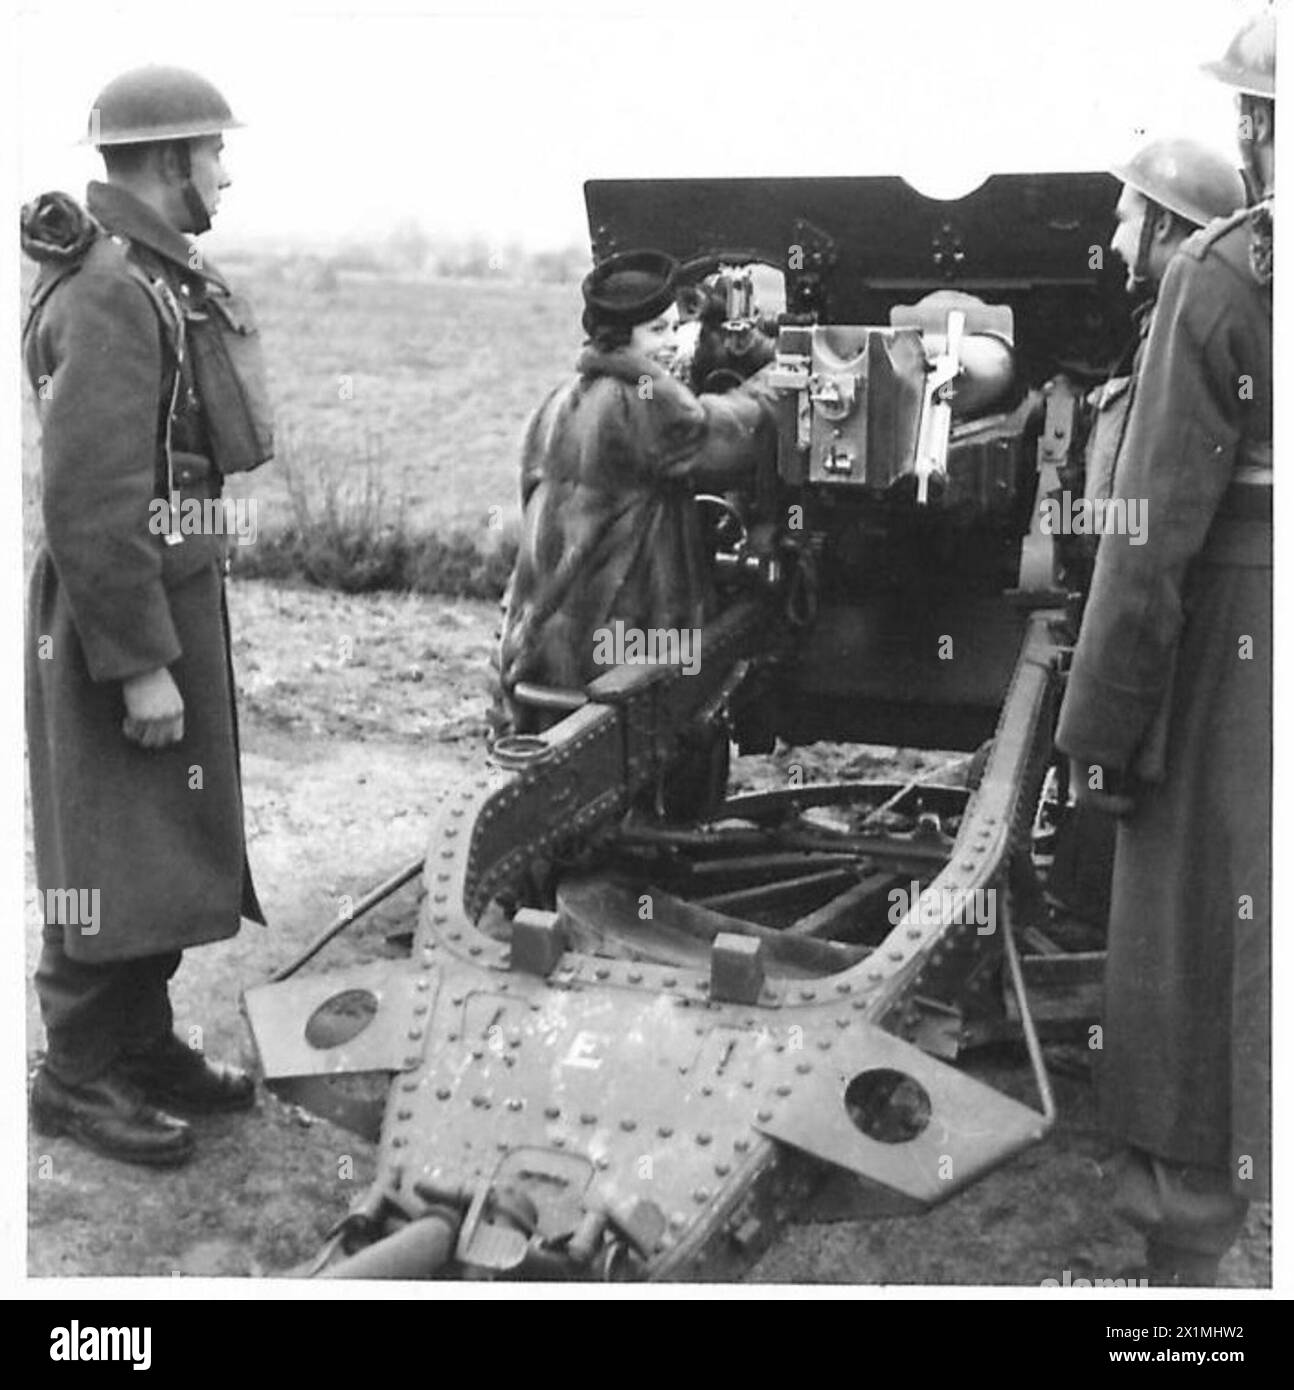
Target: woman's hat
630,288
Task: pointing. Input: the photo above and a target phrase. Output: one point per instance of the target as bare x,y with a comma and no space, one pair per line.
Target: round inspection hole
340,1018
888,1106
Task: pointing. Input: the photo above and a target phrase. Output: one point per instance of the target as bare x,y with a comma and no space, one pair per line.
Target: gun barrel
416,1251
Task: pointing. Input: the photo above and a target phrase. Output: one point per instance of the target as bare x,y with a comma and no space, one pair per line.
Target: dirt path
354,711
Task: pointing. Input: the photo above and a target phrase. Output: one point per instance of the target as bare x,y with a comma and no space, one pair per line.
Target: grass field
432,380
399,405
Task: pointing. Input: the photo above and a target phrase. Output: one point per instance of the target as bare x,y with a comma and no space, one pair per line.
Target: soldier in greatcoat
1171,188
1167,722
132,741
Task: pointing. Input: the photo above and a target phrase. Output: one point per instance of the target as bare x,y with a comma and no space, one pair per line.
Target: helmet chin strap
196,208
1143,286
193,203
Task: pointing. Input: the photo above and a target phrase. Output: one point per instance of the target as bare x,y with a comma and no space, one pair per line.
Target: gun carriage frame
581,1086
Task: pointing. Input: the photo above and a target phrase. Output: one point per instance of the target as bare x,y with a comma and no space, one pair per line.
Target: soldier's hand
154,709
1109,797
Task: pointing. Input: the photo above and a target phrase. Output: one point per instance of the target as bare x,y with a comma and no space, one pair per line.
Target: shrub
346,532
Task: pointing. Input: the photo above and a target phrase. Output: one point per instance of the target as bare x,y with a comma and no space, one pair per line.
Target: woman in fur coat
610,466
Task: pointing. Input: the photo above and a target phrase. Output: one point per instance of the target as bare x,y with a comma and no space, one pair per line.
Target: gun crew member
1167,722
1171,188
131,345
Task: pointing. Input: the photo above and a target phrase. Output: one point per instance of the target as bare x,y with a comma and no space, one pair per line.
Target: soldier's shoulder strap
1246,233
54,274
1200,243
51,275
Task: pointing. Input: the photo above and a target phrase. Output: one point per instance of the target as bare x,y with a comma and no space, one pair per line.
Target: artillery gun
643,1020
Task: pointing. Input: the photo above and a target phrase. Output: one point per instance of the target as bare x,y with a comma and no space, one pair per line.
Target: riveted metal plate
970,1127
280,1013
654,1099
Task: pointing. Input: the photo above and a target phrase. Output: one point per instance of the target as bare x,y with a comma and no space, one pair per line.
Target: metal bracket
537,941
280,1014
961,1128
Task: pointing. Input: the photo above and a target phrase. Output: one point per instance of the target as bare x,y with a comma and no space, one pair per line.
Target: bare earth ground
354,711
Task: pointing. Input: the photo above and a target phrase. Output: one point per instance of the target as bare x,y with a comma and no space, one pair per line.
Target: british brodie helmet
153,104
1249,64
1185,177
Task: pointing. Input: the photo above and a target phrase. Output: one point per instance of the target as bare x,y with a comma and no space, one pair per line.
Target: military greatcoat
1171,683
158,833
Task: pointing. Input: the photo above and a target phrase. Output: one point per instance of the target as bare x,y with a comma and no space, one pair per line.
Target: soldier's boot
178,1077
111,1116
1187,1213
1171,1267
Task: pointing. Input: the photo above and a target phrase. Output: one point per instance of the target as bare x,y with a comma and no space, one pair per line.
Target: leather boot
110,1116
178,1077
1172,1267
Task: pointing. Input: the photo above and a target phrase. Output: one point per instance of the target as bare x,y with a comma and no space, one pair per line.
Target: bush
347,533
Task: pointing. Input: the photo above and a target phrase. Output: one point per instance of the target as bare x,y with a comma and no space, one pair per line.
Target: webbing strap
163,300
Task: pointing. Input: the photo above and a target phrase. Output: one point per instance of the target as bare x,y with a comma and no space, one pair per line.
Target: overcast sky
488,121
